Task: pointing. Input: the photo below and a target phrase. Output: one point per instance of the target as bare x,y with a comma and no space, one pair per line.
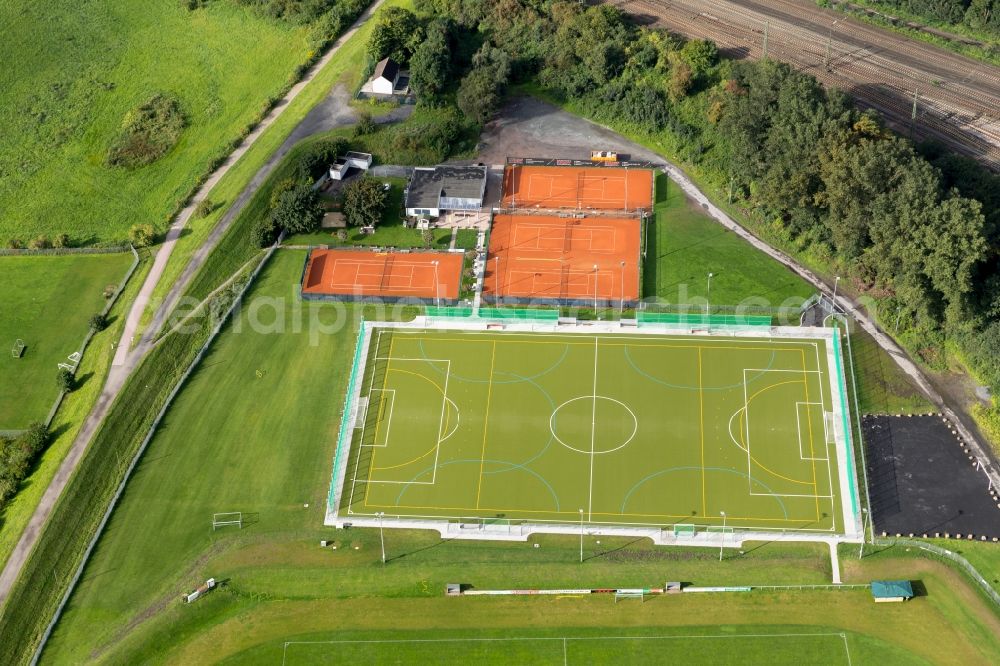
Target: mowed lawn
261,443
48,303
73,70
685,245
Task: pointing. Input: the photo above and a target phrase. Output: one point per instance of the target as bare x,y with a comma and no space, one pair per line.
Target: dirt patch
529,127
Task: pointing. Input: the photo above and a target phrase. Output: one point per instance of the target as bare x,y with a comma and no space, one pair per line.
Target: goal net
682,531
228,518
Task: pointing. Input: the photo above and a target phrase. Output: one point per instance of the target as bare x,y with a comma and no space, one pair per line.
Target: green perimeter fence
345,427
701,319
503,314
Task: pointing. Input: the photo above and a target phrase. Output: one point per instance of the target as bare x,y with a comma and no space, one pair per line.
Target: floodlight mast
381,536
722,542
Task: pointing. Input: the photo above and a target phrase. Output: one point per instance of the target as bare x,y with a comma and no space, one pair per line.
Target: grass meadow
343,68
74,408
74,70
254,431
685,245
48,303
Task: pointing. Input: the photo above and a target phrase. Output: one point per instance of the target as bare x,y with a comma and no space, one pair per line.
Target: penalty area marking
442,436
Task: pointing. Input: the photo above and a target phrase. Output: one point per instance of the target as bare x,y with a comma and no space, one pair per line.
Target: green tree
701,55
298,211
482,88
64,380
396,34
364,202
265,232
430,68
98,322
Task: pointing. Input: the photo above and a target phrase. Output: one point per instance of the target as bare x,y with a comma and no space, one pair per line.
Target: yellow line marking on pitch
812,453
701,428
374,449
486,421
746,446
576,513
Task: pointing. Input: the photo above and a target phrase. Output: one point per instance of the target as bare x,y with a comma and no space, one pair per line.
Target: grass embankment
341,69
65,105
685,245
53,562
269,454
883,387
91,375
48,304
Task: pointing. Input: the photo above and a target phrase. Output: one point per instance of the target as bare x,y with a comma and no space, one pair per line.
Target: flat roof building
445,187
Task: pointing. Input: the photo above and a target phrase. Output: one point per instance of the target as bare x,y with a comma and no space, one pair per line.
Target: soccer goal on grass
630,594
225,519
17,351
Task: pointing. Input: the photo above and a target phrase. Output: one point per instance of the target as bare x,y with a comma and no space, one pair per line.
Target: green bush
148,132
64,380
98,322
204,208
60,240
141,235
40,243
16,456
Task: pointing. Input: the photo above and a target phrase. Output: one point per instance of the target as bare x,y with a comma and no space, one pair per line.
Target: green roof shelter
891,590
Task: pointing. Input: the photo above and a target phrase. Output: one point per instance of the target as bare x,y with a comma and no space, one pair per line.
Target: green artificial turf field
649,429
47,303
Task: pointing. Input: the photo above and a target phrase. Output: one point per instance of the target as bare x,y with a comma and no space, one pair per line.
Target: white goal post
228,518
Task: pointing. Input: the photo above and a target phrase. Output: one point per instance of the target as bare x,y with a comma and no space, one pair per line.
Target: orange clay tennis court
374,274
554,258
594,188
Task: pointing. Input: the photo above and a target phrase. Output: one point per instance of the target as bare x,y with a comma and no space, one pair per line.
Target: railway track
957,100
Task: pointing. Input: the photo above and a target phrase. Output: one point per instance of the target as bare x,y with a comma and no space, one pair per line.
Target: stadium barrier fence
345,427
694,319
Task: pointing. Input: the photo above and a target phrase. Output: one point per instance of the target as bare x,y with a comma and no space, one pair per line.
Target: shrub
15,243
60,240
317,158
204,208
39,243
265,232
16,456
148,132
366,125
285,185
142,235
64,380
98,322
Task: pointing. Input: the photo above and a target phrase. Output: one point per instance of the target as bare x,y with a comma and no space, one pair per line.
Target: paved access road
958,99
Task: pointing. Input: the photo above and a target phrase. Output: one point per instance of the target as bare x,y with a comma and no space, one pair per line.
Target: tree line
915,227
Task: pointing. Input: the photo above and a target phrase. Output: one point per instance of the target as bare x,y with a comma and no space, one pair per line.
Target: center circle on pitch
593,424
